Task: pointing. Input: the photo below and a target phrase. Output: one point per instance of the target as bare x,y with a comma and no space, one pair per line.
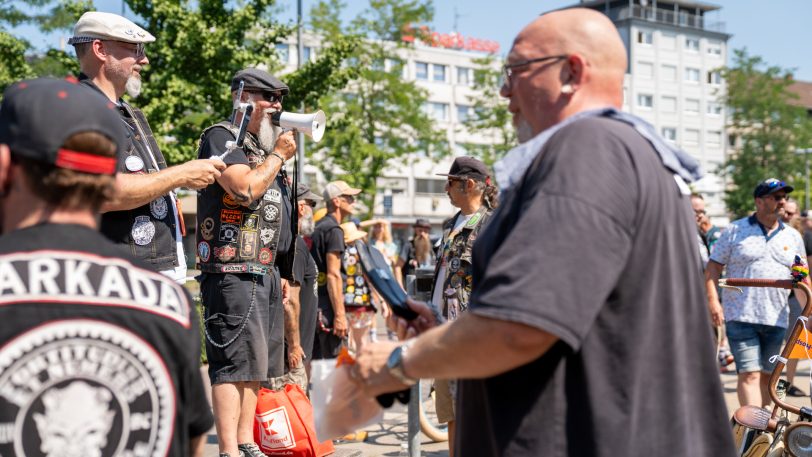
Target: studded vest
356,292
455,254
149,230
232,238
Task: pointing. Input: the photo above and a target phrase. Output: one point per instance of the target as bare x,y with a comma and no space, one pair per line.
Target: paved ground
386,439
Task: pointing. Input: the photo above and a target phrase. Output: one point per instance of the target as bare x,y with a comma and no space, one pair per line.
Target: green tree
379,119
491,117
766,126
16,59
199,46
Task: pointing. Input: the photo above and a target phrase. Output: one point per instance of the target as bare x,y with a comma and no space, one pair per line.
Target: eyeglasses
507,69
272,97
140,49
348,198
778,197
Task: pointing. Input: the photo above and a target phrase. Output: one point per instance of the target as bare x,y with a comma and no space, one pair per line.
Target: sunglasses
348,198
139,50
272,97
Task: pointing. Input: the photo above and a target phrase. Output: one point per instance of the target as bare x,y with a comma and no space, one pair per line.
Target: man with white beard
144,214
245,249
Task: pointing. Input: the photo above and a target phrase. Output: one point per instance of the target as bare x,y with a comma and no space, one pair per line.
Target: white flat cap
95,25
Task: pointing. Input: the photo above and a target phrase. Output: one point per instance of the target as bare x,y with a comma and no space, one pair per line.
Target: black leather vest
149,230
232,238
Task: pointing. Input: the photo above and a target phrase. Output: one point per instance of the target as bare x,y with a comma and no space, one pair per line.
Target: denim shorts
752,345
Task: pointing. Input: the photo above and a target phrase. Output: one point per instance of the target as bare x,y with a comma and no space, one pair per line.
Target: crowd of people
572,306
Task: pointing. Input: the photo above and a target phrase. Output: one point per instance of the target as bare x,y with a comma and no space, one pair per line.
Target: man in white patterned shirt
757,246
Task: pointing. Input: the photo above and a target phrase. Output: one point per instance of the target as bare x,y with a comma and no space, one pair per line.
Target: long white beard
133,86
306,225
268,133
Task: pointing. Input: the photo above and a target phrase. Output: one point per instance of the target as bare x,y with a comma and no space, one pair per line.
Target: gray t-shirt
597,246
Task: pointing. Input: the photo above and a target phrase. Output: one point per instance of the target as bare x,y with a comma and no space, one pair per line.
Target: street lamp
805,152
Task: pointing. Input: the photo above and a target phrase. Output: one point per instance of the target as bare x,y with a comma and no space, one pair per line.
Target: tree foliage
379,118
766,126
199,46
491,117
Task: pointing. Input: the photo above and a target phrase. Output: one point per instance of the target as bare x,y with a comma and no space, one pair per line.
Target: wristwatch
395,364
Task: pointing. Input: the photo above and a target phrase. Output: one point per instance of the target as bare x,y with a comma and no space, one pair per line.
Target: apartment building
675,51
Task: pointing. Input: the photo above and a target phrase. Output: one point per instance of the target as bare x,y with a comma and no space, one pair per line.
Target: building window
692,136
645,70
714,108
715,49
430,186
421,71
692,105
692,44
464,112
669,134
714,138
692,75
438,72
645,100
394,66
465,76
307,54
715,78
437,111
283,51
668,104
645,37
669,73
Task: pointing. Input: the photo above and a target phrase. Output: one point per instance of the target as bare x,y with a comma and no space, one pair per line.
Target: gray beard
306,225
268,133
133,86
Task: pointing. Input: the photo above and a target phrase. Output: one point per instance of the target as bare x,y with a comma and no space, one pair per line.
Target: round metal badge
350,289
352,250
133,163
454,264
455,281
351,270
143,230
359,280
348,298
351,260
207,229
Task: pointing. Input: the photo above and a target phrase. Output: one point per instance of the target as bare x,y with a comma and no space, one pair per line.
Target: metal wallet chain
242,324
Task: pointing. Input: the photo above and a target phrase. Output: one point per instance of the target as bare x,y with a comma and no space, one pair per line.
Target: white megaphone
311,125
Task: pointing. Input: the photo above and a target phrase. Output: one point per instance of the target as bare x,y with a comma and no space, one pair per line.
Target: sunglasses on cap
773,183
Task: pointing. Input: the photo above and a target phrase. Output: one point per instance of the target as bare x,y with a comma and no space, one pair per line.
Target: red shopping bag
284,425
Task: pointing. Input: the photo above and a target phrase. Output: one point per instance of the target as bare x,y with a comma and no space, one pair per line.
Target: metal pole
300,140
806,170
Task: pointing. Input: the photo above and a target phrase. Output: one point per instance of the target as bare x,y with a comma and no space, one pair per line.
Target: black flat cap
39,115
420,222
258,80
467,167
303,193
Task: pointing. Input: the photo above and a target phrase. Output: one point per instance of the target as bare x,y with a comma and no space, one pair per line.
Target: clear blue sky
777,30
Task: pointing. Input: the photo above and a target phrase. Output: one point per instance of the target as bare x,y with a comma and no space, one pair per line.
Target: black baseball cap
38,115
467,167
769,186
258,80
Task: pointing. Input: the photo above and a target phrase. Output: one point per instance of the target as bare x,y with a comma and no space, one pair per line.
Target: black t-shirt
86,330
215,144
597,246
327,237
808,242
304,273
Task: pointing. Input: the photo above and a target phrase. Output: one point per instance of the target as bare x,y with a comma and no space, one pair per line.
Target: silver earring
567,89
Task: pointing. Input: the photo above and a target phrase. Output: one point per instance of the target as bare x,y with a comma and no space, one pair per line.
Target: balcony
665,16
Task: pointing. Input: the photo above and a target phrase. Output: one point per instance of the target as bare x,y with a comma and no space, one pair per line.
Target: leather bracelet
281,160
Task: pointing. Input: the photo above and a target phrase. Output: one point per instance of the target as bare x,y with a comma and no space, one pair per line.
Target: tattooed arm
246,184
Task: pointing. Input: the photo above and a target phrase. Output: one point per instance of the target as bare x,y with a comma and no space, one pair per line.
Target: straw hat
372,222
351,232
